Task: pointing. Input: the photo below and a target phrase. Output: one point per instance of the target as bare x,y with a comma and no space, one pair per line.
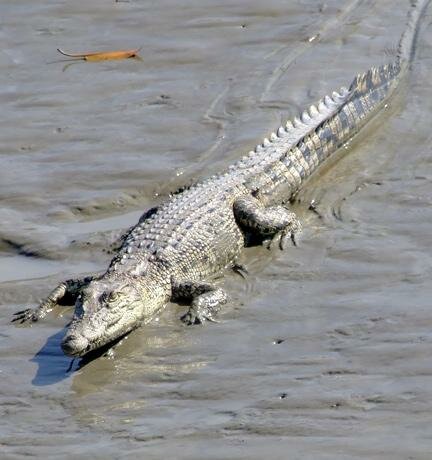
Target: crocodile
178,247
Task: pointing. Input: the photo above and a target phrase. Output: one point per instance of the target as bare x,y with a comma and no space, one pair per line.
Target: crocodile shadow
54,366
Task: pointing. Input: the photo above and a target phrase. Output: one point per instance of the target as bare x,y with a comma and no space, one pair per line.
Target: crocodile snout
74,345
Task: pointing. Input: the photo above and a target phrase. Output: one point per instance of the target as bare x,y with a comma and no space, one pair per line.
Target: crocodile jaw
107,310
86,335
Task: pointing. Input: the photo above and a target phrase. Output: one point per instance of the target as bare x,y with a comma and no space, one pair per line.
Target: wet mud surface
324,351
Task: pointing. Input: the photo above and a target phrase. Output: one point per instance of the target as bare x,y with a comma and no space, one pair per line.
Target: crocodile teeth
266,142
281,132
273,137
258,148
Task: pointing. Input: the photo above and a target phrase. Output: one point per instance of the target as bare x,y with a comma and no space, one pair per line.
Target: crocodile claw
197,316
284,237
281,238
240,270
23,316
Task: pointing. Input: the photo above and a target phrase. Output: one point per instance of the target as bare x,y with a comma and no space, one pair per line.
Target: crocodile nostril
75,345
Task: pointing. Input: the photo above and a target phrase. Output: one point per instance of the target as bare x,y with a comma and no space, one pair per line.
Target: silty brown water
324,351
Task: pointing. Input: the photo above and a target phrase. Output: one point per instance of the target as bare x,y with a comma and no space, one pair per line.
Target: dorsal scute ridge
287,136
377,81
281,131
328,101
374,78
313,111
321,107
297,122
306,118
289,126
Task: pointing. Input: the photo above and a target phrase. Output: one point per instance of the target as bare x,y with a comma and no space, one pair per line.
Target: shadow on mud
54,366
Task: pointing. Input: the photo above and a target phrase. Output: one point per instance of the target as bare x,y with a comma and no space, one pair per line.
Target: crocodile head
107,310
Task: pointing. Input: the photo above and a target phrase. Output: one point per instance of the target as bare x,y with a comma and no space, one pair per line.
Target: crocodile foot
272,222
198,315
27,315
69,288
206,300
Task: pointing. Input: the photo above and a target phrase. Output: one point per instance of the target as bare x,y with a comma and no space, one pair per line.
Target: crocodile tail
384,78
367,94
407,42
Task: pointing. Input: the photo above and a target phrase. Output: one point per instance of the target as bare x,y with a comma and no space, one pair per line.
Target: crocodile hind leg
68,290
267,222
206,300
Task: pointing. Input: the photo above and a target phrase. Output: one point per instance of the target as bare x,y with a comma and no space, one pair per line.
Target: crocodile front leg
267,222
69,289
206,300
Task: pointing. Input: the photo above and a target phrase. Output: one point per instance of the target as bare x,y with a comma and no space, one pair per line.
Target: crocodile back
191,236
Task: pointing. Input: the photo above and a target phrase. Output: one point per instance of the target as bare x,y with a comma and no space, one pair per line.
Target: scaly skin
198,233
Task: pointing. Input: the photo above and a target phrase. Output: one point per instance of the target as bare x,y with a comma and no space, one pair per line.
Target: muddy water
325,350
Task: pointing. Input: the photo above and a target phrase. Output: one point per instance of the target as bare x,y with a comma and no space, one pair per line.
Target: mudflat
323,352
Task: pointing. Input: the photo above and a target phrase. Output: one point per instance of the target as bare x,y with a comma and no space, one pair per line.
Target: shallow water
324,352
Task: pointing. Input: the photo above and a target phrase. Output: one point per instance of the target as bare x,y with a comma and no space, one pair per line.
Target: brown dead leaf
102,56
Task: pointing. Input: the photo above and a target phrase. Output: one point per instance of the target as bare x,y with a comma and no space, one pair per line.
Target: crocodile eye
113,296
